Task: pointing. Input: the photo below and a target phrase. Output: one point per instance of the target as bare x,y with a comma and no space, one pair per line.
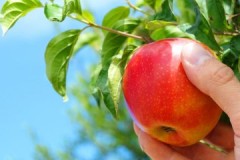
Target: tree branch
90,24
117,32
227,33
233,16
136,8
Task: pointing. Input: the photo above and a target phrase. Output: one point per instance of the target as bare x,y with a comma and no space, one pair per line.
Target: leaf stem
228,33
136,8
233,16
91,24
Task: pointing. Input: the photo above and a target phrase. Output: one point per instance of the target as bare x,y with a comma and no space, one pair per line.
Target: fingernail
138,133
194,54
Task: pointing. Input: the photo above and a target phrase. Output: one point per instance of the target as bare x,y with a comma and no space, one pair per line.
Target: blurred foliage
98,134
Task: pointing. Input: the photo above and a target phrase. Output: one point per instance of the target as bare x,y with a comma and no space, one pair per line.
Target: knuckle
222,75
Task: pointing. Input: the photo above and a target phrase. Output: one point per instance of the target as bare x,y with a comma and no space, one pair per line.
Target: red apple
161,99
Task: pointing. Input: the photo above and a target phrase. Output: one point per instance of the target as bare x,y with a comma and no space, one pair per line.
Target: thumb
216,80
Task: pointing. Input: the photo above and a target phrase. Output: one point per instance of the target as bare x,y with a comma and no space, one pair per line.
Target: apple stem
167,129
213,146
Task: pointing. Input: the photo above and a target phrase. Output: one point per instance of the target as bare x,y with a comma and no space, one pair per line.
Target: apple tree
216,23
95,130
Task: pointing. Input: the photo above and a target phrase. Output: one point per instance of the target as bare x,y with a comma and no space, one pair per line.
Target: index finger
156,150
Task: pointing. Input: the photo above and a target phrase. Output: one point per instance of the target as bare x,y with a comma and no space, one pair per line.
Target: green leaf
206,8
86,39
203,32
185,11
102,93
114,79
228,6
58,53
95,90
98,96
170,32
216,14
231,55
54,12
154,4
115,73
127,53
111,46
151,3
166,12
156,24
72,6
116,68
13,10
113,42
234,44
188,12
203,7
85,16
228,56
237,70
115,15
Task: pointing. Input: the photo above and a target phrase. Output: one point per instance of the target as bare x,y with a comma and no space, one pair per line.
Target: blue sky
27,100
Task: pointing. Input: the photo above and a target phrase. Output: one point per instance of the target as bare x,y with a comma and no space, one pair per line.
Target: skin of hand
218,81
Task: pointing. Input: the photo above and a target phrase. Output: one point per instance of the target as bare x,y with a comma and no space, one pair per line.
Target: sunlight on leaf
216,14
166,13
54,12
115,15
58,53
115,73
170,32
88,38
156,24
188,12
73,6
155,4
13,10
111,47
114,78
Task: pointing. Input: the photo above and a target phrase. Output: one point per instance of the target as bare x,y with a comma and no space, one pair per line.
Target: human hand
218,81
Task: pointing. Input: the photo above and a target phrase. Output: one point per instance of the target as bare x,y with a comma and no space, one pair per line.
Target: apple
161,99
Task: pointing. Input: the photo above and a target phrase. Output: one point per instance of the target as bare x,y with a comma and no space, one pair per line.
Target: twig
117,32
233,16
136,8
90,24
213,146
227,33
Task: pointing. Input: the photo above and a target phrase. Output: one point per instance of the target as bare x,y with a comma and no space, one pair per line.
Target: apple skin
161,99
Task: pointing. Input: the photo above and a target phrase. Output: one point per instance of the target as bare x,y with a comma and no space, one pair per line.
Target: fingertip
155,149
137,130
